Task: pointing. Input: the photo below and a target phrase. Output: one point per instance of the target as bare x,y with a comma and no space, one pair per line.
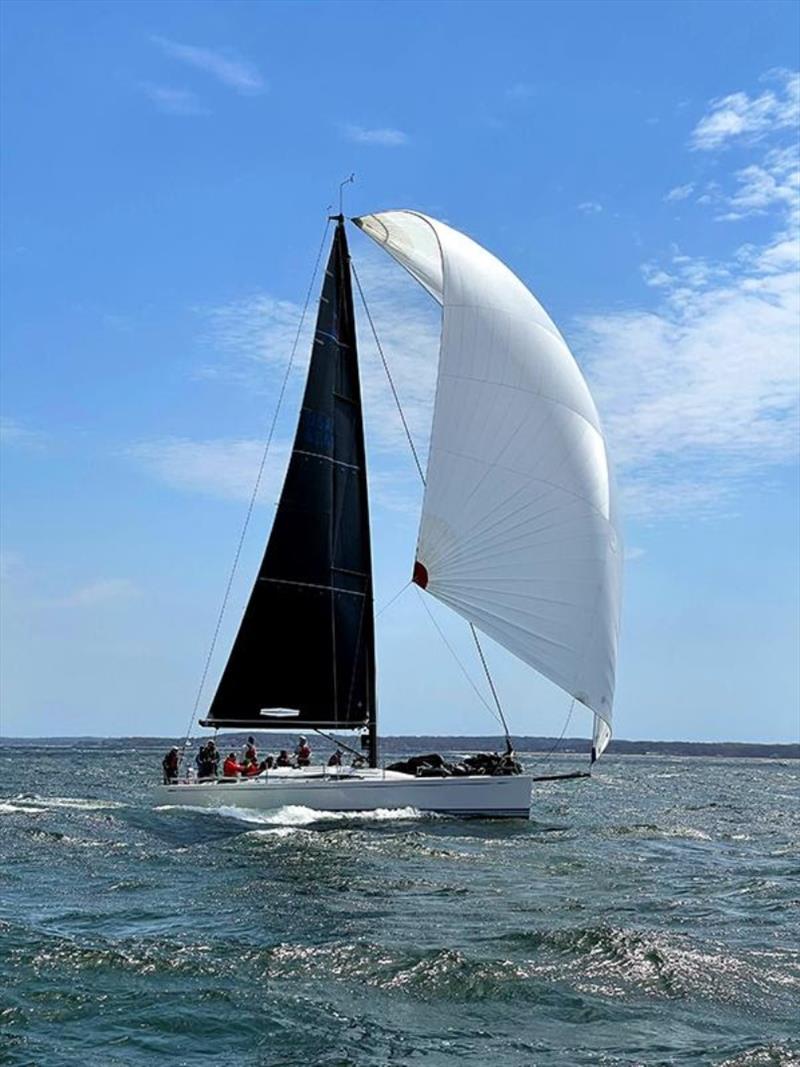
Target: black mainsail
305,650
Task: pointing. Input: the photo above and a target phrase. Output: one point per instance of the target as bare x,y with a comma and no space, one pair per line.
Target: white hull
361,790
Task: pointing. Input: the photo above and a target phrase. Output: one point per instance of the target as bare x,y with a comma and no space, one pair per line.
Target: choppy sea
646,916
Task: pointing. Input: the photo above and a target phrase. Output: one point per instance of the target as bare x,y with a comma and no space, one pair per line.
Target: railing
319,773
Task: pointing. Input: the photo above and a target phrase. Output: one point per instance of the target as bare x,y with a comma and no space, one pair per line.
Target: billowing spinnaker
518,527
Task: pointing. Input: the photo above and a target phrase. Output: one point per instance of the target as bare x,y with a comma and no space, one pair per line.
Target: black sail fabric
305,650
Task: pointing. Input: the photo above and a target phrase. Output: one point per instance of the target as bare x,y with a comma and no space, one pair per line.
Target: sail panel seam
330,459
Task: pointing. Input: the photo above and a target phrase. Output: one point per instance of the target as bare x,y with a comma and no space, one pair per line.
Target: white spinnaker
518,530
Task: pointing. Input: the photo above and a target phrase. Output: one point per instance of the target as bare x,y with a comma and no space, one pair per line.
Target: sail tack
518,531
305,650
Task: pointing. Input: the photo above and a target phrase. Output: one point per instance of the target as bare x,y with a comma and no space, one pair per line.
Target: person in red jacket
231,768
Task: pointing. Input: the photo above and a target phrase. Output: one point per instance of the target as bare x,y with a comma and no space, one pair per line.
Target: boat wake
295,815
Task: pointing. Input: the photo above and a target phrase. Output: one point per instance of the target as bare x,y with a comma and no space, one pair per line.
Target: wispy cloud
102,591
227,469
590,207
11,564
385,136
741,117
521,91
174,101
254,337
233,71
220,467
13,434
680,192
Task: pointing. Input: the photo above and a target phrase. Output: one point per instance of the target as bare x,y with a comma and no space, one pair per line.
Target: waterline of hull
468,796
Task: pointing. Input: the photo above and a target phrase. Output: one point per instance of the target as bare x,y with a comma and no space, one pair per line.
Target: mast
305,651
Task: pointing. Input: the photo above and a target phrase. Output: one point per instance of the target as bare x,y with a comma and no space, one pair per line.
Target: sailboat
518,534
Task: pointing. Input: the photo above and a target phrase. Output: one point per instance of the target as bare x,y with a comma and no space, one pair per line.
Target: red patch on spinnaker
420,575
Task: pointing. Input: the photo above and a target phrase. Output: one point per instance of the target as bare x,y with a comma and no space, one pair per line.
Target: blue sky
168,168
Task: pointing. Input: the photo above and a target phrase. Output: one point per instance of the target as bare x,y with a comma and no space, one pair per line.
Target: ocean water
647,916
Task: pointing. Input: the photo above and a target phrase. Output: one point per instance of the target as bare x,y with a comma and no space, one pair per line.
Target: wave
599,964
765,1056
652,830
611,960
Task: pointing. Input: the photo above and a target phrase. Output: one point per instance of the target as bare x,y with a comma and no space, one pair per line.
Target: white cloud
236,73
773,183
254,330
739,116
219,467
702,392
697,395
174,101
102,591
386,136
680,192
590,207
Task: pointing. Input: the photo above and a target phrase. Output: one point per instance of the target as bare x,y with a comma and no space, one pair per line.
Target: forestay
518,531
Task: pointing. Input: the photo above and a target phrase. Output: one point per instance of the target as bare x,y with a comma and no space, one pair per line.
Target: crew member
170,764
213,759
302,752
231,768
250,751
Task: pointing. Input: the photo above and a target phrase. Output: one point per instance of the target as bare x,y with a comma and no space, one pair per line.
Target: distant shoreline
432,743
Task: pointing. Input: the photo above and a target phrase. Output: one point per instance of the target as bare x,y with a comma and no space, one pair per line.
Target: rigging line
379,346
491,686
338,742
254,494
395,597
560,738
453,653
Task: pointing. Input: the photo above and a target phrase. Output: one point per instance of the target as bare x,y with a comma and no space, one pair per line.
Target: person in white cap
302,752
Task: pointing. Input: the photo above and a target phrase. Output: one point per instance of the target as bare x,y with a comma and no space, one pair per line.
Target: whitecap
17,809
74,803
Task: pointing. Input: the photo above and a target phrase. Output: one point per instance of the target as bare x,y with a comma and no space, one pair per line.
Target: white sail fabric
518,528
